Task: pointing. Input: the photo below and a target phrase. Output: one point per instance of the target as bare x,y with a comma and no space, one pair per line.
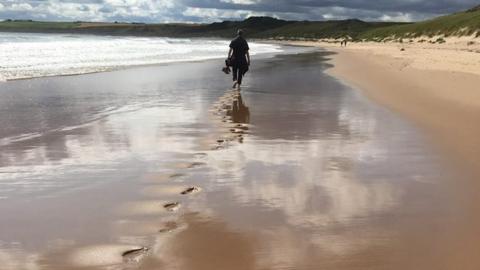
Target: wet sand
447,103
166,168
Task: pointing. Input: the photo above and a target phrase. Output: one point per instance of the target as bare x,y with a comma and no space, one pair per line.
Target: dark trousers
238,72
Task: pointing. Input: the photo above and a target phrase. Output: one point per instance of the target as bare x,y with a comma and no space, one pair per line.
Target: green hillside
20,25
323,29
255,27
462,23
266,27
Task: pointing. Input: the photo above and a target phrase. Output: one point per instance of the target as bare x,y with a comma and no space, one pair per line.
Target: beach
442,96
434,85
167,167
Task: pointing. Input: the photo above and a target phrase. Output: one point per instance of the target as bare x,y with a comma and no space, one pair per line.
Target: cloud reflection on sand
101,146
289,174
18,259
326,193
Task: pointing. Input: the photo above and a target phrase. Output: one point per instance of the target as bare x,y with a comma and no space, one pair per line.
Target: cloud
240,2
212,14
216,10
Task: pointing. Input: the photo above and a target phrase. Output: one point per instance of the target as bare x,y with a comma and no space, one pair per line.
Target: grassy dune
459,24
35,25
328,29
462,23
256,27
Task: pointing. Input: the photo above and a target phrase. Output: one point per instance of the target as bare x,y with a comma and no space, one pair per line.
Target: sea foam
24,55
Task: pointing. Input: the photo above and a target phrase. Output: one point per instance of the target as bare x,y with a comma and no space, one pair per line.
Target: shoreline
445,102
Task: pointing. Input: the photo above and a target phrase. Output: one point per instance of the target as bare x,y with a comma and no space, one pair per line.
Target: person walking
239,58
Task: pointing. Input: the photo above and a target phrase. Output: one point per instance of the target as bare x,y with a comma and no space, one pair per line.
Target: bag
226,68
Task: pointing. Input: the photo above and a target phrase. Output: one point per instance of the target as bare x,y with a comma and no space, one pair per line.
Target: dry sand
460,54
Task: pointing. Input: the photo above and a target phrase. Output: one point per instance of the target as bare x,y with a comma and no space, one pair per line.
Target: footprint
169,227
160,191
190,190
189,165
217,147
149,207
161,177
172,206
239,126
107,255
176,175
134,255
195,164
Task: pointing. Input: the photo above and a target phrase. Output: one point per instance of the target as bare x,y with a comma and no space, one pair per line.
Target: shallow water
31,55
315,176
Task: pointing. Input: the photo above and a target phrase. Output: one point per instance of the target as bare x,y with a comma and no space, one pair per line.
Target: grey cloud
106,9
202,10
420,6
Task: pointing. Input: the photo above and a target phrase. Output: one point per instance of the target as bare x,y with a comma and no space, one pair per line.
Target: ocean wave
24,55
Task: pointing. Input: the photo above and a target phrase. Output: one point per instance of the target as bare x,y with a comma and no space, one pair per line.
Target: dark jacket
240,48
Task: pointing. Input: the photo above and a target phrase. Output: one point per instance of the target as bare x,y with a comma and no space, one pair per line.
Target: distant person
239,57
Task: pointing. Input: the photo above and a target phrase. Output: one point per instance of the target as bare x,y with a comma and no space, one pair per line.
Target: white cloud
21,7
399,17
216,10
90,10
213,14
241,2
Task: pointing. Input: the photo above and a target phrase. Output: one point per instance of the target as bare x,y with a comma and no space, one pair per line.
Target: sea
31,55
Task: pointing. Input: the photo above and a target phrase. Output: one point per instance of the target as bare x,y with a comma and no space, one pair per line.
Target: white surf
26,55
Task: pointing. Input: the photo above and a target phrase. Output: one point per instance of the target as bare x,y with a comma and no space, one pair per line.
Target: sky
206,11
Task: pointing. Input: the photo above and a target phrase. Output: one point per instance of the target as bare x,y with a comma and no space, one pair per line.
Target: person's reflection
239,111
